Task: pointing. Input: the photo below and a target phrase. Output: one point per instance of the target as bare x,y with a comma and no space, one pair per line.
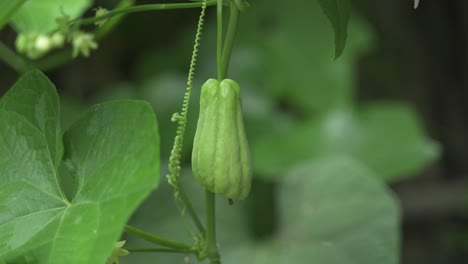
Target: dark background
426,50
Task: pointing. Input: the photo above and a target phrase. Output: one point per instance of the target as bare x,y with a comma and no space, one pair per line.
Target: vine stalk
143,8
13,60
219,39
172,244
160,250
210,211
230,36
223,59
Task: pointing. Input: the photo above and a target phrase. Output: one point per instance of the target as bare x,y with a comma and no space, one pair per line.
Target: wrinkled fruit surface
221,156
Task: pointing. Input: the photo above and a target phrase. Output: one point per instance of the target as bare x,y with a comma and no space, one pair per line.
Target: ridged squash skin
221,156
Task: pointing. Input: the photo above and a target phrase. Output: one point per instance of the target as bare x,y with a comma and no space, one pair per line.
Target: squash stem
229,42
219,44
211,245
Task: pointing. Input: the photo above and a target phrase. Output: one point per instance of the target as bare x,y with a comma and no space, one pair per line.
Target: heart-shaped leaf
112,153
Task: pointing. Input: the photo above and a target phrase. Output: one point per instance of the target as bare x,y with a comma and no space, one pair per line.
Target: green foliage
33,97
39,16
38,224
337,12
386,137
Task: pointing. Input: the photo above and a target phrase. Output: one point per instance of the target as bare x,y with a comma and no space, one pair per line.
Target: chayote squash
221,156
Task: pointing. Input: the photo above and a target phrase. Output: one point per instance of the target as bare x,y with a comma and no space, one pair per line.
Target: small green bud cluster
35,45
82,43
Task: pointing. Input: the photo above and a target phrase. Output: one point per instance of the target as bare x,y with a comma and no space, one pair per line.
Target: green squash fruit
221,156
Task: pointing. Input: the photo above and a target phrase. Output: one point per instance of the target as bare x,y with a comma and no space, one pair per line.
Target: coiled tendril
181,118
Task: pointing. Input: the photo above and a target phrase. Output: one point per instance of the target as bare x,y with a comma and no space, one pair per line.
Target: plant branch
110,24
230,36
143,8
211,247
13,60
158,240
162,250
219,44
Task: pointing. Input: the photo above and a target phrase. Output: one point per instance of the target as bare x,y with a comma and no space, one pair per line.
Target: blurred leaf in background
39,16
310,109
7,9
337,12
328,216
387,137
295,49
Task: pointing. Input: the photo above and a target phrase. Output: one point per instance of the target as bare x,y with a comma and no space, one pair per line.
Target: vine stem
219,44
210,211
174,245
161,250
143,8
13,60
230,36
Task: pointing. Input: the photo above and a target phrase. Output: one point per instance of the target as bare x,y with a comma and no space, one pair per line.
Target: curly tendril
181,118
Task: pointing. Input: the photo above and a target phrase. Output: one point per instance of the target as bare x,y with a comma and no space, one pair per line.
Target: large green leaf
337,12
7,9
112,152
40,16
333,211
388,138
